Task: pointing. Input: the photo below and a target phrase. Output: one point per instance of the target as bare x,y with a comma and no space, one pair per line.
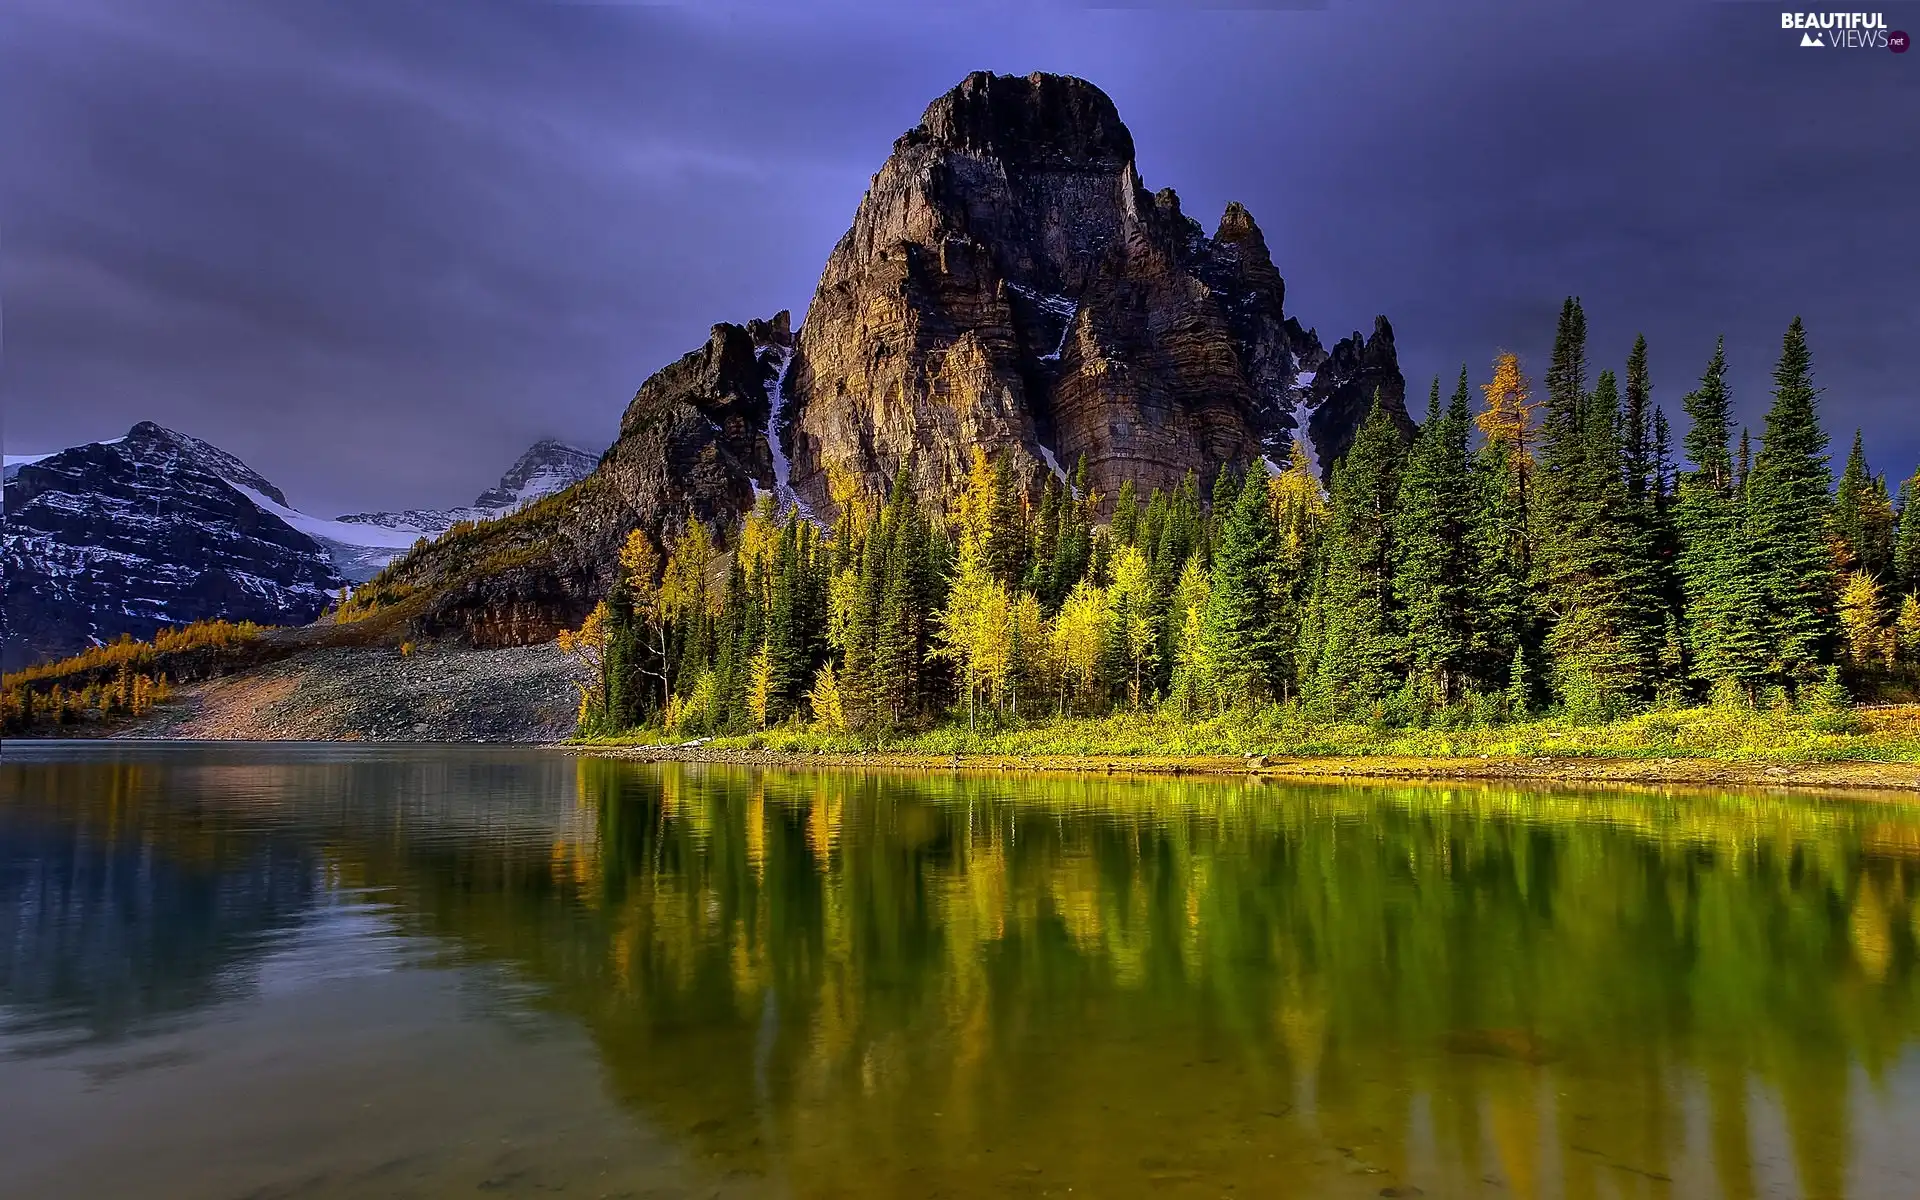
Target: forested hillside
1528,551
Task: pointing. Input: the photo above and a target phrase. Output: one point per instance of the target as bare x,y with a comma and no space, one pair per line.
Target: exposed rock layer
1010,283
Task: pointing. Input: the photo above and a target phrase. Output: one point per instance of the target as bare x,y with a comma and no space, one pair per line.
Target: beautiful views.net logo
1845,31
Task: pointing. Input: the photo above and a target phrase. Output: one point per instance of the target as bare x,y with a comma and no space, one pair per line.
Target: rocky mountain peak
776,330
1237,225
150,529
1057,120
546,467
1009,283
1343,390
155,446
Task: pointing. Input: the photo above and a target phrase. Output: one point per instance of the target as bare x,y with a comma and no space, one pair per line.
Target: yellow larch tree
586,649
1507,420
1079,641
639,565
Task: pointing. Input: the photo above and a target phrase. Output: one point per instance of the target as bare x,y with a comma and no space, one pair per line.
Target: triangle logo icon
1811,39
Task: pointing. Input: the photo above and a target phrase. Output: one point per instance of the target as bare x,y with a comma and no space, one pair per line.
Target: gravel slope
438,693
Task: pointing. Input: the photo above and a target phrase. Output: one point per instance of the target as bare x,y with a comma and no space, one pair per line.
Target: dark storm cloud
375,249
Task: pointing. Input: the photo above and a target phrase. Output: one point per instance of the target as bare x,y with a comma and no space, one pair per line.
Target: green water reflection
834,984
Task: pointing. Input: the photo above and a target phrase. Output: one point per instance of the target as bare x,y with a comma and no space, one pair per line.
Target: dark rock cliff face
148,530
1342,391
1010,283
693,444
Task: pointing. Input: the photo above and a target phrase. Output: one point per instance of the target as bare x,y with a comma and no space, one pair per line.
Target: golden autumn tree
824,701
1135,605
973,629
1906,628
1079,642
1861,621
684,588
639,565
586,650
1507,420
760,686
1298,500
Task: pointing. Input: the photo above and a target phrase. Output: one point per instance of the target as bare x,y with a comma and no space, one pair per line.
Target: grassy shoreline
1875,748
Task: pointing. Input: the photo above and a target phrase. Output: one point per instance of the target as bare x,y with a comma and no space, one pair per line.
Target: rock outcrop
693,443
1009,282
152,529
1343,388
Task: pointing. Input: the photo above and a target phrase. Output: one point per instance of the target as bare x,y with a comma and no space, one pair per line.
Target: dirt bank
1675,772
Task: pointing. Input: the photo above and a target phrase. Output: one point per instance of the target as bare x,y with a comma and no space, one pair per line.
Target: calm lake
302,971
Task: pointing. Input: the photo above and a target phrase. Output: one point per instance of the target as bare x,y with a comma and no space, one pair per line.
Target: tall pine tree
1906,543
1242,637
1563,437
1432,583
1863,519
1788,499
1598,659
1724,623
1361,660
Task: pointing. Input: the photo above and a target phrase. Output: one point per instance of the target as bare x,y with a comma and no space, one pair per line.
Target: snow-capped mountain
154,528
362,543
158,528
544,469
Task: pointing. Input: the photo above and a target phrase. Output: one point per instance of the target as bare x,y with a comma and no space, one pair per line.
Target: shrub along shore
1704,746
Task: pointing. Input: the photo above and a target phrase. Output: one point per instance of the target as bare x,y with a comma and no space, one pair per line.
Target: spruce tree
859,673
1006,536
1877,526
1642,568
1906,543
1722,623
1126,515
1519,691
1081,489
1046,529
1431,581
1863,518
899,631
1563,434
1848,498
1180,536
1597,657
1636,427
1147,536
1666,533
1789,499
787,666
1242,638
1226,489
1362,659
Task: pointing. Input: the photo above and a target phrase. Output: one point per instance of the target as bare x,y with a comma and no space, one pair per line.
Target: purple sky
375,249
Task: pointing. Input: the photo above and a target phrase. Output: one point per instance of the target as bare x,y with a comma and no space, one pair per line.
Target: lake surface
299,971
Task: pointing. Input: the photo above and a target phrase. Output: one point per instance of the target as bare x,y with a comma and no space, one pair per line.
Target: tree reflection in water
897,984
